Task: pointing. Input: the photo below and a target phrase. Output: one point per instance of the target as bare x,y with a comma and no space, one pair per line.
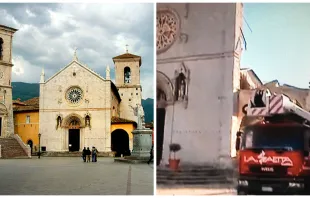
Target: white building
198,62
79,108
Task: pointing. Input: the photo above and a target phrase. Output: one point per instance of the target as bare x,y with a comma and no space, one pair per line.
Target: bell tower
127,80
6,109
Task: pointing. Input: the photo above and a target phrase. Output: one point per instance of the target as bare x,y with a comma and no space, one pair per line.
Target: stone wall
96,102
204,49
131,93
5,81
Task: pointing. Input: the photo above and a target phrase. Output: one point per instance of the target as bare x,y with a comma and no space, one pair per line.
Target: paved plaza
71,176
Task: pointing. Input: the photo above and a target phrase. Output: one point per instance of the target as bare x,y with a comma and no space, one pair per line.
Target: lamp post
39,153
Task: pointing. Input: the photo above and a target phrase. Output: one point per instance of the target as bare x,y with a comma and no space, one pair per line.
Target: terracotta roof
18,102
149,125
28,105
32,101
128,56
115,120
25,108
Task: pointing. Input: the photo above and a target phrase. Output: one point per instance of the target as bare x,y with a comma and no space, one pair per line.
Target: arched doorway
74,123
120,142
164,97
30,143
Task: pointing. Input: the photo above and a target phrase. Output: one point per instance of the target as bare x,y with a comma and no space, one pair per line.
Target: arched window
127,75
1,48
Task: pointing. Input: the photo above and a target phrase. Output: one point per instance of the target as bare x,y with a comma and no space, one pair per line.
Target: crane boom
265,104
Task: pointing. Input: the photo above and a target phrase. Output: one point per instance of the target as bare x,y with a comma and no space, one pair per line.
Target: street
71,176
194,190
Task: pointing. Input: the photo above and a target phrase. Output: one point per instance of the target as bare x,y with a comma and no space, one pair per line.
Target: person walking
93,154
151,155
88,153
96,153
84,154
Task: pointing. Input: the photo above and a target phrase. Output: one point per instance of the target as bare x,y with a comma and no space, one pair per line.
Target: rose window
74,95
167,27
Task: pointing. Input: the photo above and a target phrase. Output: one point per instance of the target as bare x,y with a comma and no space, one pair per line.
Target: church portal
74,139
120,142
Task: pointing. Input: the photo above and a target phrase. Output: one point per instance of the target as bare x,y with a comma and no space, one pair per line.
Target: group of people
94,153
87,153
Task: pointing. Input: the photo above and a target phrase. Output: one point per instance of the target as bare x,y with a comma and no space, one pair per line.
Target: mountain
26,91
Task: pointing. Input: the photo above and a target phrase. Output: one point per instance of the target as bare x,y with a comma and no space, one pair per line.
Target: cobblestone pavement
71,176
195,190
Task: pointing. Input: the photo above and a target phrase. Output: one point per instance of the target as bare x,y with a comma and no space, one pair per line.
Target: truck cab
274,154
274,159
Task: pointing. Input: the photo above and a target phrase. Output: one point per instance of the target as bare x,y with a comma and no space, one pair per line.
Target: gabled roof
113,87
117,120
8,28
128,56
80,64
252,75
18,102
32,101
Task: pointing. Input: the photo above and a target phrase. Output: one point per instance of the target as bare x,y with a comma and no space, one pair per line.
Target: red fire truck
274,153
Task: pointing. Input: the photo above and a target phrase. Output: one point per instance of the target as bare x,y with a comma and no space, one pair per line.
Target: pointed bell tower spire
42,80
75,58
107,73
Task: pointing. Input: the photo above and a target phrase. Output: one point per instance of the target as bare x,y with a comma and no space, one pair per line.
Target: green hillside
26,91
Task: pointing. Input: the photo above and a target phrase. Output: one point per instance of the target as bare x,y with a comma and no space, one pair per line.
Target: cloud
49,33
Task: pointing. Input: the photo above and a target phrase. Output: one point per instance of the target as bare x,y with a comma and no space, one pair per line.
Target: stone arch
120,142
73,121
3,109
127,75
164,88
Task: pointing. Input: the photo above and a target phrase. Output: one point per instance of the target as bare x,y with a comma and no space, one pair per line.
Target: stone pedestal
142,144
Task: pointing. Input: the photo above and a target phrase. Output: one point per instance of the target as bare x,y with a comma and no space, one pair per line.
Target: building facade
6,108
26,121
79,108
198,73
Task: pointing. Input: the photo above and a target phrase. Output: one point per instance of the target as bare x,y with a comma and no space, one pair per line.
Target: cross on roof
127,48
75,56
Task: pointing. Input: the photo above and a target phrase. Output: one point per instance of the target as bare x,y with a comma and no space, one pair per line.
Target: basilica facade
79,108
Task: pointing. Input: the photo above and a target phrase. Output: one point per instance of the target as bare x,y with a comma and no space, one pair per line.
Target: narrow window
28,119
1,48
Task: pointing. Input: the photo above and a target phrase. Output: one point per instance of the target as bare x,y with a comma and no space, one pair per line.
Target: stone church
199,47
79,108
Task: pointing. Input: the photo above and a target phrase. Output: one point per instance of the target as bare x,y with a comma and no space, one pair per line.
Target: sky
279,45
49,33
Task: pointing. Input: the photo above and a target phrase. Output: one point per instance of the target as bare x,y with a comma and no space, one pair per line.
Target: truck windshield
284,137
